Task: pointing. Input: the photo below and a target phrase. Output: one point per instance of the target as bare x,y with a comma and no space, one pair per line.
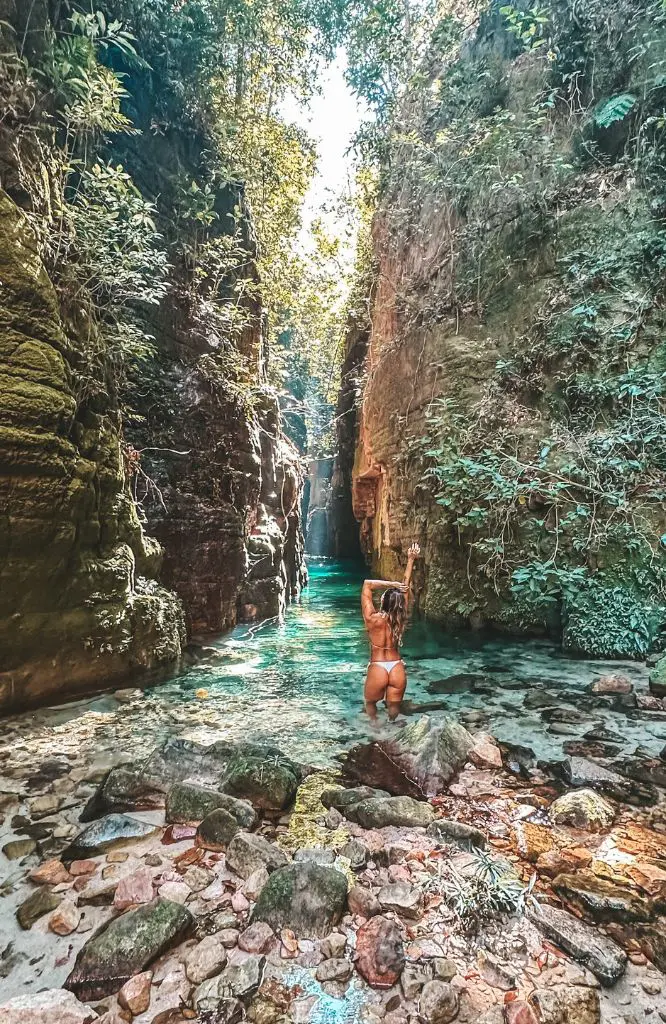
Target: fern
615,109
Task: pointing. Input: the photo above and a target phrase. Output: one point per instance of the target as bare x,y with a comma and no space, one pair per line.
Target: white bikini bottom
388,666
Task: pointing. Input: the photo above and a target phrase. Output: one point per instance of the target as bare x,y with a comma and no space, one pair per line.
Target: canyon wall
130,514
513,400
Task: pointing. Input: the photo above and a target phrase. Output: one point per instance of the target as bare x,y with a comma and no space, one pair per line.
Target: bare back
382,644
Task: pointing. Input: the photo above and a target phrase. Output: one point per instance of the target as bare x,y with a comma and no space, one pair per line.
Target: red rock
485,753
135,993
51,872
518,1012
646,702
380,955
363,902
82,867
615,682
557,862
258,938
134,888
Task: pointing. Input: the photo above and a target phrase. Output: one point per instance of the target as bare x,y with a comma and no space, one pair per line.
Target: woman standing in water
386,678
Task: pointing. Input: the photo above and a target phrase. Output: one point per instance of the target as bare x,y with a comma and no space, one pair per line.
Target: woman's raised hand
414,551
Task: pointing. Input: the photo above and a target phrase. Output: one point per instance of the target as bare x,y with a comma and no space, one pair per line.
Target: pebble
83,867
65,919
205,960
135,993
51,872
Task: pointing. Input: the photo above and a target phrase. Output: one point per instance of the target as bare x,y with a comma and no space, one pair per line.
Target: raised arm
413,553
369,587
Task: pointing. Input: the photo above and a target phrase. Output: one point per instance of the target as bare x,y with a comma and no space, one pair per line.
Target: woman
386,678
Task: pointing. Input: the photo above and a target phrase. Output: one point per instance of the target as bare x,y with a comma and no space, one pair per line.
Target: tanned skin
380,685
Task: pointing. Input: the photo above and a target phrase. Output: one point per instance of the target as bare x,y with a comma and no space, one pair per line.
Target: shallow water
299,684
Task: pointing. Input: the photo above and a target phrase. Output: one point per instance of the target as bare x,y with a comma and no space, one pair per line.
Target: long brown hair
394,607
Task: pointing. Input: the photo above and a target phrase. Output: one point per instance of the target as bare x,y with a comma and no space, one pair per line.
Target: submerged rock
615,682
36,905
248,853
106,833
380,954
378,812
307,898
55,1006
597,952
125,946
582,808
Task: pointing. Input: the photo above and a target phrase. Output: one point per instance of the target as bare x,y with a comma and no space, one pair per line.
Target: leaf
615,109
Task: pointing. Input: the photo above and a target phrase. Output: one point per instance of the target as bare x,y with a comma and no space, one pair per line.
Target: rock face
79,605
80,601
603,957
307,898
126,946
475,333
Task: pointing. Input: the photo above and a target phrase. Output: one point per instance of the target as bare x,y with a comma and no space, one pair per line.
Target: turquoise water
299,684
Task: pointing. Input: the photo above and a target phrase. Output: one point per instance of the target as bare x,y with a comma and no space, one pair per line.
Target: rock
51,872
363,902
35,906
566,1004
54,1006
247,853
228,937
650,770
187,803
518,1012
444,969
412,980
65,919
532,841
455,833
402,899
485,753
263,776
612,683
198,878
135,993
380,956
495,973
378,812
646,702
257,938
582,808
18,848
559,862
206,959
439,1002
314,855
177,892
333,947
216,830
235,982
103,835
356,853
334,970
134,888
307,898
123,788
657,678
595,951
255,883
82,867
340,799
127,945
601,900
240,903
333,819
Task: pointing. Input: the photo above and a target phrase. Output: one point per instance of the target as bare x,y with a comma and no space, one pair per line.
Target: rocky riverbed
434,876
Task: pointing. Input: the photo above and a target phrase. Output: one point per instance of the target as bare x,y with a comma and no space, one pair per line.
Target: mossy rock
308,898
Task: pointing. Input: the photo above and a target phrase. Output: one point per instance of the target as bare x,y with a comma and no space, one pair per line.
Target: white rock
56,1006
206,959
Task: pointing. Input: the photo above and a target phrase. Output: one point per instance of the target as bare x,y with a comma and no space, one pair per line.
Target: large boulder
262,775
248,853
380,953
418,762
54,1006
101,836
595,951
582,808
126,946
378,812
188,803
308,898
